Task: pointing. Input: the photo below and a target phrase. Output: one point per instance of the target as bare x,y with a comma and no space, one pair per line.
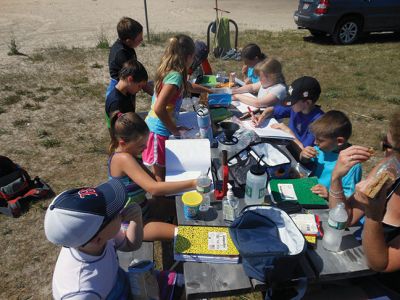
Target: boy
132,78
130,36
332,132
87,222
300,108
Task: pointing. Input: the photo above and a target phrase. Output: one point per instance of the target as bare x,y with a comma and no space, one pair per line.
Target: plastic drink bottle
334,231
229,205
203,186
256,182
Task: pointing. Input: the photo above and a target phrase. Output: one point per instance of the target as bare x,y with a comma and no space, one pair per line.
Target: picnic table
203,280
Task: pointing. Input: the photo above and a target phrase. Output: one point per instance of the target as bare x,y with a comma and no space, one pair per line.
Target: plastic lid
257,170
192,198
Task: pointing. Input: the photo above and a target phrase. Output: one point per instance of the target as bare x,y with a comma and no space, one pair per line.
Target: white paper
287,192
186,159
221,91
272,156
217,241
265,130
239,82
243,108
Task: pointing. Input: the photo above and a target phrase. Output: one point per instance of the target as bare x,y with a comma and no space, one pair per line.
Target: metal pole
147,21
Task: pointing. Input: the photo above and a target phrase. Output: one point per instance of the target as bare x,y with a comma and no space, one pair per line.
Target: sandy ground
43,23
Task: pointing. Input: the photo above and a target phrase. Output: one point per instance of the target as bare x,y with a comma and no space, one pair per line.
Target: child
86,222
271,88
251,55
300,108
129,135
332,132
132,78
171,83
130,36
200,65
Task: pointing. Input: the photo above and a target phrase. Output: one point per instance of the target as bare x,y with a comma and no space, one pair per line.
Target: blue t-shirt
252,76
173,106
324,164
298,122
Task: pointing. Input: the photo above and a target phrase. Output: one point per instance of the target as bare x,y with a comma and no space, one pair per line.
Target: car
346,20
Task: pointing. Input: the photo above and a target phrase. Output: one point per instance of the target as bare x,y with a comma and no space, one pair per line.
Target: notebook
204,244
297,190
265,130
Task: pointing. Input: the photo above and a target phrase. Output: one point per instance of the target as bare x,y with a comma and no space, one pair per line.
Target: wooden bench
146,252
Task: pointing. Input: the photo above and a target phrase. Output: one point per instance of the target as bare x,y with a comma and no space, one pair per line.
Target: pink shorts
154,154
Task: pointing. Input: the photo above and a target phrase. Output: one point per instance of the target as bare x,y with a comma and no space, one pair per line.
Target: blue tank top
135,193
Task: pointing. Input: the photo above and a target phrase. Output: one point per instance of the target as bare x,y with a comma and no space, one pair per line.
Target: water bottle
203,186
229,205
256,182
334,231
204,122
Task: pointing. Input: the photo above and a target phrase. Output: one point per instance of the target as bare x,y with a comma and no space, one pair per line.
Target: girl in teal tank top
129,134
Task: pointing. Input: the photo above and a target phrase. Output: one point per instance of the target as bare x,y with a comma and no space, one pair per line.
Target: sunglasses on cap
385,145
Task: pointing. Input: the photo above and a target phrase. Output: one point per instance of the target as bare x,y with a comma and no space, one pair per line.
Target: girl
251,55
129,135
271,88
170,85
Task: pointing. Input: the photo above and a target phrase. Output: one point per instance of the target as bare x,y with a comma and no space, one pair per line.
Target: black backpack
17,188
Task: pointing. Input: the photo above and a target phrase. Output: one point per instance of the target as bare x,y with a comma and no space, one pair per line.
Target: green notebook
208,80
297,190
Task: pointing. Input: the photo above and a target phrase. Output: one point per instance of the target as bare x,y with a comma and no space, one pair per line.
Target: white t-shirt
279,90
78,275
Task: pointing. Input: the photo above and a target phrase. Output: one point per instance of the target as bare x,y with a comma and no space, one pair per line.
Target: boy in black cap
87,223
300,108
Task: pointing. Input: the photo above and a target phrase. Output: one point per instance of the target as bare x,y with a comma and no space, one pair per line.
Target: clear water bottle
334,231
203,186
229,205
256,183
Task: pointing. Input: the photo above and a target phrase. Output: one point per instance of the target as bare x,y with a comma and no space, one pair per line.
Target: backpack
269,243
17,188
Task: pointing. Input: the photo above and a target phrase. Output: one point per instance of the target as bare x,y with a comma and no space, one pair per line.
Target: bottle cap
257,170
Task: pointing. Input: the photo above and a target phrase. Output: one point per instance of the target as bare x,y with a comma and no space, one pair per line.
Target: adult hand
320,190
308,152
132,212
374,207
348,158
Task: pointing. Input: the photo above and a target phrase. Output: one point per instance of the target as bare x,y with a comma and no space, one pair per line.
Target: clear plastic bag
391,165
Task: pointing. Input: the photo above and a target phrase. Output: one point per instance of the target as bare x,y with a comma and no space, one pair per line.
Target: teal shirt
252,76
325,163
173,106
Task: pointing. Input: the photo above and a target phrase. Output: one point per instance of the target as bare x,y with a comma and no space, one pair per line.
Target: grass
66,140
102,41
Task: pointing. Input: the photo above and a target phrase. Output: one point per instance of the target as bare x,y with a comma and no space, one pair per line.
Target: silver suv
346,20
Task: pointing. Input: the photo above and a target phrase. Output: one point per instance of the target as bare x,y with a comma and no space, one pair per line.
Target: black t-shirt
118,101
119,54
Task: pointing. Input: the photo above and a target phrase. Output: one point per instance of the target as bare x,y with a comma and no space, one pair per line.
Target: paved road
39,23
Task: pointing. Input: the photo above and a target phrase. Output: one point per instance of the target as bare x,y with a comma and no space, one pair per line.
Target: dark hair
128,28
128,127
394,128
252,51
135,69
332,124
174,59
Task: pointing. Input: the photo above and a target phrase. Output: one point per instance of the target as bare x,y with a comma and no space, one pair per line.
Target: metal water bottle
204,122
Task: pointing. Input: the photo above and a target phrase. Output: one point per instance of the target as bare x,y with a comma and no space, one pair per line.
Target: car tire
317,33
347,31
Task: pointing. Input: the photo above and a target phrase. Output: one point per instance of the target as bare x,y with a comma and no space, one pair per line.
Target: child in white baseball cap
87,222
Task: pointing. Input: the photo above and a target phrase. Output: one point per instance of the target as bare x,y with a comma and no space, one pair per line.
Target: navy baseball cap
75,216
303,88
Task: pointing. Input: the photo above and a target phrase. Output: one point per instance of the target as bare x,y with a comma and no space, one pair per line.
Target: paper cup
191,202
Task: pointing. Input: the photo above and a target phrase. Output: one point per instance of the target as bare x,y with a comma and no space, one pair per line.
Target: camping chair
220,27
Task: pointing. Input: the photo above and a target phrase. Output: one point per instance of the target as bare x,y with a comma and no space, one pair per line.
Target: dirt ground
44,23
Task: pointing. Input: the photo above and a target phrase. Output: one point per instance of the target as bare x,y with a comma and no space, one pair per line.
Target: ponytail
128,127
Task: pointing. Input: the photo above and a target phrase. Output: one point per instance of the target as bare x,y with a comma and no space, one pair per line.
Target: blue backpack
269,243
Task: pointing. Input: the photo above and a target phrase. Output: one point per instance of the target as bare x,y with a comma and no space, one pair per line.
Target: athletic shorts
154,154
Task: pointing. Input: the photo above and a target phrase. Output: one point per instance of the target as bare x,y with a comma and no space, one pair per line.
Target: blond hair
179,48
271,67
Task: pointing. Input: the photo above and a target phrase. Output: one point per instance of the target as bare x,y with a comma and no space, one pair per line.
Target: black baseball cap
303,88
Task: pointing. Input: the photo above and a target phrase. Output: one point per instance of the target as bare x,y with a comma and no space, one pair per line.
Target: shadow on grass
373,38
